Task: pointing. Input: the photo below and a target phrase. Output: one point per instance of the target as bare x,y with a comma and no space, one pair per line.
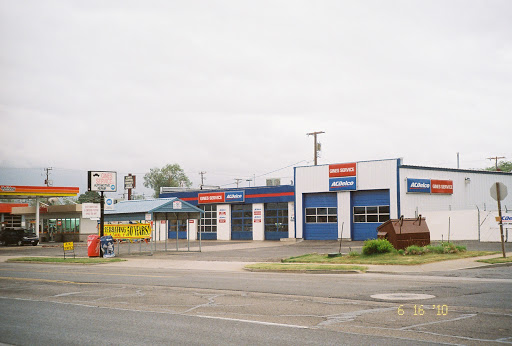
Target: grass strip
81,260
302,267
385,259
496,260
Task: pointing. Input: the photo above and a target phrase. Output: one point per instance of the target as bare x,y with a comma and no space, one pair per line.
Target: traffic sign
502,191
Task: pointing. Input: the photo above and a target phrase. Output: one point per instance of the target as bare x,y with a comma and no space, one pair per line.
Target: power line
496,159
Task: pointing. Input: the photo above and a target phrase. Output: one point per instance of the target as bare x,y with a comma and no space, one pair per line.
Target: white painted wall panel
344,219
291,220
192,229
223,228
453,225
467,194
258,228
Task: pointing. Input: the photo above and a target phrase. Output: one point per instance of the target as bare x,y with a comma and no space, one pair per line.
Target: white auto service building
350,200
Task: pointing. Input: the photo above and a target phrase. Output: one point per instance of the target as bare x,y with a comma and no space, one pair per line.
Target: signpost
129,184
498,193
69,246
102,181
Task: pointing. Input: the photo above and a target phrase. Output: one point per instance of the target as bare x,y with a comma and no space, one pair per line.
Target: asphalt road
76,304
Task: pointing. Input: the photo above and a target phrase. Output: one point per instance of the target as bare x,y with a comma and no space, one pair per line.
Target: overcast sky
232,87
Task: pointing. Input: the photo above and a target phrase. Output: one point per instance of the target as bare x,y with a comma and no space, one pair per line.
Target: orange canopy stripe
38,190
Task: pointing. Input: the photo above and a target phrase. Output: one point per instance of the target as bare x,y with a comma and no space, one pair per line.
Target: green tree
169,175
89,197
504,166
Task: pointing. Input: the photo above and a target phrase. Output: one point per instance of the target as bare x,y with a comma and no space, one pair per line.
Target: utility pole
316,144
496,160
47,181
202,178
238,180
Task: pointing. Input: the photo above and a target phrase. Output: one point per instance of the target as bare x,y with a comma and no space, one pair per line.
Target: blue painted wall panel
275,235
208,236
241,235
181,235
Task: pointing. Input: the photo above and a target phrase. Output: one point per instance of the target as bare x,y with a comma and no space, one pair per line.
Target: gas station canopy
26,192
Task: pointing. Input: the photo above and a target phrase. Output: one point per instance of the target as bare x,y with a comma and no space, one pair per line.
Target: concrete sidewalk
234,266
234,256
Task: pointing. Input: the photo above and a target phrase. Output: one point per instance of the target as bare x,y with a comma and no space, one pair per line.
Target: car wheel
20,243
34,244
3,243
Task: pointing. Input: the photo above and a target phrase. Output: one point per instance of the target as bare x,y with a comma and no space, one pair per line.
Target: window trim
378,214
331,213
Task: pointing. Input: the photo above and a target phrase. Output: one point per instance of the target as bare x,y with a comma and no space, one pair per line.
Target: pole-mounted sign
102,181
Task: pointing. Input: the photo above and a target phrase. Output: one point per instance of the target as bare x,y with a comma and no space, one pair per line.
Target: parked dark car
18,236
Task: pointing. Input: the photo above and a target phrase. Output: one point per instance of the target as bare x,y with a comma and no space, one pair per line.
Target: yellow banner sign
68,246
128,231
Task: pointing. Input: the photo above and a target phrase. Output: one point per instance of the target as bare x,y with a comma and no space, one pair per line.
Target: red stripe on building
188,199
271,195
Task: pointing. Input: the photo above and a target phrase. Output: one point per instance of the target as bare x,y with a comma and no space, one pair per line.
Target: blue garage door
320,216
369,210
241,222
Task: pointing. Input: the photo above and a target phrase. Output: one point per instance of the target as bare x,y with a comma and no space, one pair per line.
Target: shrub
375,246
353,254
401,252
415,250
460,248
438,249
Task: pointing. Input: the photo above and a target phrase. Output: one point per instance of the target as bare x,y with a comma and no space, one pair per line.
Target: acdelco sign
235,196
429,186
418,185
221,197
342,184
342,170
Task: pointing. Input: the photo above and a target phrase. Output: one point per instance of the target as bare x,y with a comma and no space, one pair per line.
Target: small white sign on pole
91,210
148,217
109,204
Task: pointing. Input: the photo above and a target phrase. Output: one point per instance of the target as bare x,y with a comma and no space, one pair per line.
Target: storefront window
276,217
208,221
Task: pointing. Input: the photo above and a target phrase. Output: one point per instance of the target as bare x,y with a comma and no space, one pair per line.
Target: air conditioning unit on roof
274,182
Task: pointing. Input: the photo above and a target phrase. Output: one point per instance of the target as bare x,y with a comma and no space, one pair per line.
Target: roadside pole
102,213
501,220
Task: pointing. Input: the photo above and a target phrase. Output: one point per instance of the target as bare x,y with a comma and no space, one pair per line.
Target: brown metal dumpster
405,232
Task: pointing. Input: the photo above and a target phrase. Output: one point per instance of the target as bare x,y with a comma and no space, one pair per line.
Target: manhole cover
402,296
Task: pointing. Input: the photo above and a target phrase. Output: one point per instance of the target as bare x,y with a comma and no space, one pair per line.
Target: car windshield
27,232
